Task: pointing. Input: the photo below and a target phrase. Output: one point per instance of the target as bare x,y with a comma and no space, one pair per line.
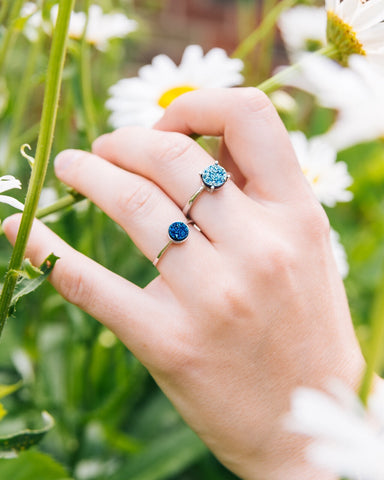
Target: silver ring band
177,233
212,178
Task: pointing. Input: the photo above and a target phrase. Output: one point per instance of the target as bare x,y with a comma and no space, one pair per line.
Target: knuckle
315,222
279,258
139,202
172,148
175,356
228,301
254,100
74,286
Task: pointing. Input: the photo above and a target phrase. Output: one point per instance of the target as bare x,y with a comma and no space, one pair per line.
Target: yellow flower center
343,37
169,96
314,180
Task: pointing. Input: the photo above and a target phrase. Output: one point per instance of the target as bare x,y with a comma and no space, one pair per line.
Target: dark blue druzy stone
178,231
214,176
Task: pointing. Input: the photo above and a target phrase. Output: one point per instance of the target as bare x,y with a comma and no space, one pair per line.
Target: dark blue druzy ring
212,178
177,233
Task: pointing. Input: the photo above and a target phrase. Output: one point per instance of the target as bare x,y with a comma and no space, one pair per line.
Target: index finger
253,133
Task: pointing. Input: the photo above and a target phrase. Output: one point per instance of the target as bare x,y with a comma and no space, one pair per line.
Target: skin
244,311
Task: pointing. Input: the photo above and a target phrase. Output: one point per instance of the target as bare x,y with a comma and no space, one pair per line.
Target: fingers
135,203
109,298
252,131
173,162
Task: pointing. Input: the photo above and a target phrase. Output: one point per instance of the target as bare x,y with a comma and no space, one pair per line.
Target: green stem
5,47
281,77
374,353
266,46
246,13
44,146
60,204
86,84
4,10
268,23
23,96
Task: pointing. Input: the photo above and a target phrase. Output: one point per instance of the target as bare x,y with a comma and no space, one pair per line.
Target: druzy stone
178,232
214,176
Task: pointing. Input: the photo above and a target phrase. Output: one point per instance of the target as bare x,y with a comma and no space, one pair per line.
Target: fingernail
98,143
65,159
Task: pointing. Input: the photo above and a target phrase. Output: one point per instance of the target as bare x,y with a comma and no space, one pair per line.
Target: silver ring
212,178
177,233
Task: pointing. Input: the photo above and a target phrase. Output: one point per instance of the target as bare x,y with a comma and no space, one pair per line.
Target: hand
245,310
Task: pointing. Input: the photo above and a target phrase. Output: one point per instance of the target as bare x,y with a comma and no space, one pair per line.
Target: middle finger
173,161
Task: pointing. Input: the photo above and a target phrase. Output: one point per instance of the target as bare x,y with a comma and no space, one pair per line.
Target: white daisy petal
346,439
330,5
329,179
371,13
339,254
9,182
356,93
348,9
192,54
11,201
101,27
302,28
374,36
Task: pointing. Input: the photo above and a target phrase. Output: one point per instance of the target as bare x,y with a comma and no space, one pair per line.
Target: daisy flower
8,182
339,254
329,179
34,21
303,29
142,100
356,93
348,440
355,27
101,27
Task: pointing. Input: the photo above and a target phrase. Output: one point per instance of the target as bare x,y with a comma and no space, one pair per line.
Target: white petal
9,182
300,24
11,201
193,54
339,254
371,13
300,146
349,9
331,5
372,38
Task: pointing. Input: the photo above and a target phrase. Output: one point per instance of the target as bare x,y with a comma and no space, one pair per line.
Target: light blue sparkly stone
178,232
214,176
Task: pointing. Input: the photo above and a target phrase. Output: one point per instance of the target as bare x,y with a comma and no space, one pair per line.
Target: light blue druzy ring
212,178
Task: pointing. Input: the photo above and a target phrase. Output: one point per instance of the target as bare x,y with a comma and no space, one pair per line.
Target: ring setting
177,233
212,178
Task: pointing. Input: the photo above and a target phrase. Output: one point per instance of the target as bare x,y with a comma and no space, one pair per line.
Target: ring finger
140,207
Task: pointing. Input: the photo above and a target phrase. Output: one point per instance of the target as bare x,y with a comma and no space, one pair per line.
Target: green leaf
164,457
3,412
27,284
32,465
26,438
29,271
6,390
